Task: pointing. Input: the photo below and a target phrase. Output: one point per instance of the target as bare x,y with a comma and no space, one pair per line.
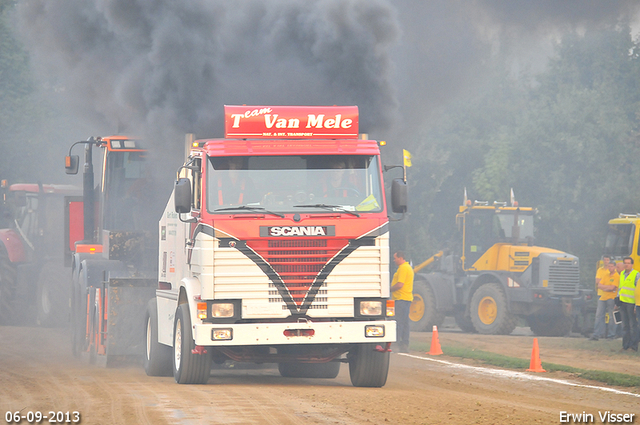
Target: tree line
567,141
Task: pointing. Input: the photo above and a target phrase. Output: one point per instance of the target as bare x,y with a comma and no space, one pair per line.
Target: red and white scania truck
274,248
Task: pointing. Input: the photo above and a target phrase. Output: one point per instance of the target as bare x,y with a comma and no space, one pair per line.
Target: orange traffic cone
436,350
536,364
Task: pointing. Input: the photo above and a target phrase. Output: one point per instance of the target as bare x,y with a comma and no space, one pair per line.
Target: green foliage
29,126
567,143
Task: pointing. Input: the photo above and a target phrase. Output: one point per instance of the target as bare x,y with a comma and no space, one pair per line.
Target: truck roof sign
291,122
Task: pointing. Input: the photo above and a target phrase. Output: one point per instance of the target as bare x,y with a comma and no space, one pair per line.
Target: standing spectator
626,294
607,286
402,293
603,271
637,295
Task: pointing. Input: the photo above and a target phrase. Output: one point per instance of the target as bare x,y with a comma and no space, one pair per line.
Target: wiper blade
254,209
329,207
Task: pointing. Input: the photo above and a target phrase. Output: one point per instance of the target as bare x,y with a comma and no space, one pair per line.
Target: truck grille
298,261
564,278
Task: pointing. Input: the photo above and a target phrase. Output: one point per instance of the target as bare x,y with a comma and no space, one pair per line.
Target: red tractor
35,251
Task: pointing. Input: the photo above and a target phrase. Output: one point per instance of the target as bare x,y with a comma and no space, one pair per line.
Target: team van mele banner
291,122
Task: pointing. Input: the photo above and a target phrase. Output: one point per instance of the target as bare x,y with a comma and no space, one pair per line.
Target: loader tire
550,324
157,356
8,289
464,322
423,315
188,368
489,311
309,370
367,366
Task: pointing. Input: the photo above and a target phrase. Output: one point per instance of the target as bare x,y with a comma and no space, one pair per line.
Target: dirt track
38,374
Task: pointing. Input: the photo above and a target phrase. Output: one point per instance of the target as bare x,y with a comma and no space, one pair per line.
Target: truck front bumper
294,333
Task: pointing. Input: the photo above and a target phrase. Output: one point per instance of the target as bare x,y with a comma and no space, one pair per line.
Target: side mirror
399,196
71,164
182,196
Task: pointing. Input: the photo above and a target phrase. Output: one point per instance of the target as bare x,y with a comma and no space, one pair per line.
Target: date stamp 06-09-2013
50,417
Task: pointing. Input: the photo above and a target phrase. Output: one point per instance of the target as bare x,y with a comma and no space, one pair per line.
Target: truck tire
550,324
52,298
309,370
367,366
188,368
157,356
464,322
423,315
8,289
489,311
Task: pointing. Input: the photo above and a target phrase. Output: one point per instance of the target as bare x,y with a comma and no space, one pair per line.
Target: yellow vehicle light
391,308
222,334
374,331
202,311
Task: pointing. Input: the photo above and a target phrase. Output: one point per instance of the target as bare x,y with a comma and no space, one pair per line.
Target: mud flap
126,309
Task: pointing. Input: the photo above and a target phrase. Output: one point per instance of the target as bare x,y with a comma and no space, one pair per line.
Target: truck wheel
8,288
188,368
550,324
157,356
367,366
52,300
423,315
464,322
309,370
489,313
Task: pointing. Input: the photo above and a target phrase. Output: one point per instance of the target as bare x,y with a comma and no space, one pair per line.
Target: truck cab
274,247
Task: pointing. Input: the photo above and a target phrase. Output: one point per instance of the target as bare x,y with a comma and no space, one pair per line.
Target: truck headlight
222,334
371,308
222,310
374,331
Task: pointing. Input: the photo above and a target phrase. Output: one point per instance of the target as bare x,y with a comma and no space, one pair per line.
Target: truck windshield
619,240
303,183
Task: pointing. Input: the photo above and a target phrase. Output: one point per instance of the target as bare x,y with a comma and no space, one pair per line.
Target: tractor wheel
157,356
489,312
309,370
423,315
52,299
188,367
94,333
367,366
464,322
79,342
8,289
550,324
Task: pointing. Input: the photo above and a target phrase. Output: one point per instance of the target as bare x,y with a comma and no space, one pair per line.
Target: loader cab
622,234
483,226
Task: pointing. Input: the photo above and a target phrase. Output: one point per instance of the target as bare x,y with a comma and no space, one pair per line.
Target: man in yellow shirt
604,270
402,293
607,285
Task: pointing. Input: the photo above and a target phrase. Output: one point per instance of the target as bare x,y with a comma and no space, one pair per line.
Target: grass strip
610,378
